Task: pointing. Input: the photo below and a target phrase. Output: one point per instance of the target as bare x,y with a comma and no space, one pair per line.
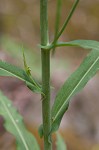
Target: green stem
45,57
58,14
46,99
66,21
57,22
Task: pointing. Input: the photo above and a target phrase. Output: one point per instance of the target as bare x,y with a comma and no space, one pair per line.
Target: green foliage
58,17
60,142
14,124
87,44
26,67
28,73
7,69
66,21
51,117
57,21
74,84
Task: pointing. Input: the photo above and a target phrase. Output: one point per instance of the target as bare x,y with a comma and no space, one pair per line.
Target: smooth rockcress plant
51,117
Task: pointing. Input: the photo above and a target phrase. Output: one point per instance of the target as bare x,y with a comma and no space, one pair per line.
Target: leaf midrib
54,118
16,75
11,117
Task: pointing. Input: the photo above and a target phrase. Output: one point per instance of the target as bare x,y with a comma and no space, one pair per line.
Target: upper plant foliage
14,124
76,81
87,44
58,34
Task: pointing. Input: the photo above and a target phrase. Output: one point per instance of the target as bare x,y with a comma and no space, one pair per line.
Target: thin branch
66,21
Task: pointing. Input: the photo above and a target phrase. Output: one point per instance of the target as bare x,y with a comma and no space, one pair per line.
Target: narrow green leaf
14,124
87,44
26,67
7,69
28,72
60,142
74,84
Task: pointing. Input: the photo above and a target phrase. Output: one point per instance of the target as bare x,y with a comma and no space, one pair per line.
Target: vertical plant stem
46,100
45,57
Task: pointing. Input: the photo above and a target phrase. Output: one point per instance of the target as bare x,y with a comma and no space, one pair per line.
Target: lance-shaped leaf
74,84
13,123
87,44
7,69
60,142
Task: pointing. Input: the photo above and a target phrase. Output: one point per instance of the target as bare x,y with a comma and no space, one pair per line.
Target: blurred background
19,26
